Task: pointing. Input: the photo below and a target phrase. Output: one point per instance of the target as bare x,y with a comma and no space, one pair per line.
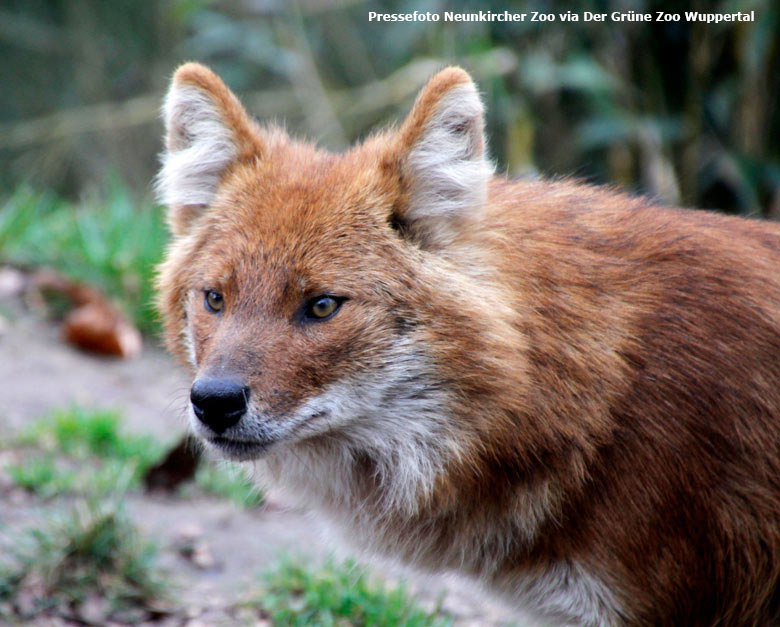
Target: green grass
339,594
83,451
42,475
86,451
228,481
80,432
113,243
100,454
92,552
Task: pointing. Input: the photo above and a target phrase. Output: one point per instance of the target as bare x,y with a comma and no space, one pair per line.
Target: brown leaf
92,323
98,327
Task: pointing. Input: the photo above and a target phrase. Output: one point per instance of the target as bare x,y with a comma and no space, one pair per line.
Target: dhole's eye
214,301
321,308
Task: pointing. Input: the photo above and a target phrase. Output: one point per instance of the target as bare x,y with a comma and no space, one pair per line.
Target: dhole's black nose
219,403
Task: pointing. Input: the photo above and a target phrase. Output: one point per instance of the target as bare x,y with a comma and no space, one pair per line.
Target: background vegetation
687,112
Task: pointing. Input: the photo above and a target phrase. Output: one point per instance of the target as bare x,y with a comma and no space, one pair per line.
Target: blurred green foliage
110,240
82,432
339,593
228,480
86,451
91,552
688,112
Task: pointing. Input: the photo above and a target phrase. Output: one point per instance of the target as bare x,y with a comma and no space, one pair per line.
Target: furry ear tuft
200,148
443,158
207,130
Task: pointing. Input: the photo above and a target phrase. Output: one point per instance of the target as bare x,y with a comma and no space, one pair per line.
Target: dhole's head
321,297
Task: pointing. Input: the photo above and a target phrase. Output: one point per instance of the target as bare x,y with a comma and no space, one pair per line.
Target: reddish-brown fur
614,365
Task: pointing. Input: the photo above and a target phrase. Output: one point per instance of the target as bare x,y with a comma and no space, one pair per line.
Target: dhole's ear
207,131
443,164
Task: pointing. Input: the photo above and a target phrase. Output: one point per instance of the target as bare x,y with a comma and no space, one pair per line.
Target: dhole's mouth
256,433
238,450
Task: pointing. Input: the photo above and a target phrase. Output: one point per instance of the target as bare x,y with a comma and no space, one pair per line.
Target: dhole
568,393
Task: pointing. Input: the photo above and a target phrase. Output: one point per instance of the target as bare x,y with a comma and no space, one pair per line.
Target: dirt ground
39,372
